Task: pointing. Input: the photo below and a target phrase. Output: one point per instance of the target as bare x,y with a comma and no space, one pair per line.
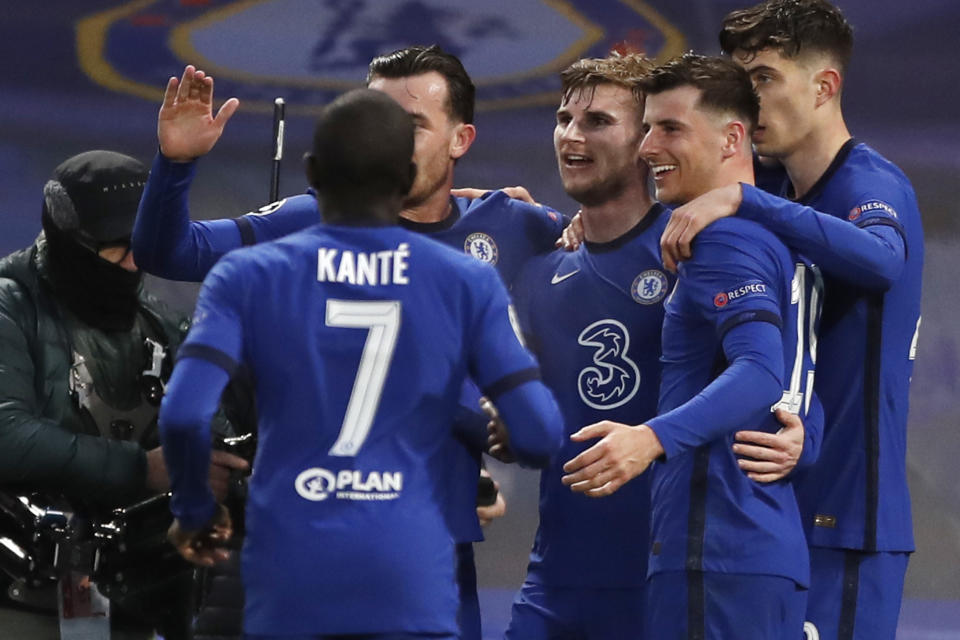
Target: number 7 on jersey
382,319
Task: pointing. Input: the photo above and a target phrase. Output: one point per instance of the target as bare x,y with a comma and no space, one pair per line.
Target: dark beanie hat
95,194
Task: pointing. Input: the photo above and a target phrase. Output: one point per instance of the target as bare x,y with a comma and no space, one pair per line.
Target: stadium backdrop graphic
313,51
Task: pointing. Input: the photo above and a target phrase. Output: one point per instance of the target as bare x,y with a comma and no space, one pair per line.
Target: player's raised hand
768,457
203,547
692,218
623,453
186,126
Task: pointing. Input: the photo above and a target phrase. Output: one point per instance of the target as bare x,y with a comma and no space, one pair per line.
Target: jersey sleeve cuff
661,428
195,516
165,168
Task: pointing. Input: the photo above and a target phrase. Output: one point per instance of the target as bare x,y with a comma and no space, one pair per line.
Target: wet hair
792,27
417,60
724,86
362,146
625,71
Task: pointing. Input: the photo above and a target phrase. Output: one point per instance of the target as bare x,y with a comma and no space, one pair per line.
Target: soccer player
593,318
728,556
430,84
856,215
434,87
359,334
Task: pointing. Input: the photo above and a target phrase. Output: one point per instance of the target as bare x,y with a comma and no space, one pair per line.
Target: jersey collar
434,227
645,223
838,160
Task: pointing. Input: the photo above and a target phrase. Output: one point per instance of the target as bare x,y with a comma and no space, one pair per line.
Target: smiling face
596,140
788,99
683,144
437,139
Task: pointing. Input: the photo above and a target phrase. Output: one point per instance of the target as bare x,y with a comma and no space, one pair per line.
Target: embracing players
727,554
856,215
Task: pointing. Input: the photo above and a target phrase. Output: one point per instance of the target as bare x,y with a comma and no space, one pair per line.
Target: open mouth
660,171
575,160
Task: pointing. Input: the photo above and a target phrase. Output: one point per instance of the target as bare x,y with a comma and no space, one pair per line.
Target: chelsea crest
649,287
482,247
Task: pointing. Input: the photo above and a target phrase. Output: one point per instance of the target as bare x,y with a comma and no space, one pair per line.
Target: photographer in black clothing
86,354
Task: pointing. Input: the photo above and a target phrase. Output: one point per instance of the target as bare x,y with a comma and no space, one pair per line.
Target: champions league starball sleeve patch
748,289
313,51
871,208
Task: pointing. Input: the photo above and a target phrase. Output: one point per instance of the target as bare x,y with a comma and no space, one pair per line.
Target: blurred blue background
82,75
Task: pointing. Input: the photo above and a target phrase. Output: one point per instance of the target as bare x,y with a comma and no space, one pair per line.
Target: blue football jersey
856,496
359,340
738,338
593,317
495,229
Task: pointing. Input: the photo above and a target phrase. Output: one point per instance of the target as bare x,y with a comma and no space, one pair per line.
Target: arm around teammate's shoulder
867,254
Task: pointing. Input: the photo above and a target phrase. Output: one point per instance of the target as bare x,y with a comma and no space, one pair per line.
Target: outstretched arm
165,242
868,256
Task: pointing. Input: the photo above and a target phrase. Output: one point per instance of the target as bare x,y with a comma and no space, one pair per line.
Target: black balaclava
91,201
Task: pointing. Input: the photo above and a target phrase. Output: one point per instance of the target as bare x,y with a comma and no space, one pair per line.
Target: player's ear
828,83
463,137
734,138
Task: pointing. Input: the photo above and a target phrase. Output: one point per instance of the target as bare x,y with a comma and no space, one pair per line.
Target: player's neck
435,208
733,170
807,164
610,220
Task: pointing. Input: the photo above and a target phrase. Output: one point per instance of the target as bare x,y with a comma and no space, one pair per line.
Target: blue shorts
855,595
694,605
560,613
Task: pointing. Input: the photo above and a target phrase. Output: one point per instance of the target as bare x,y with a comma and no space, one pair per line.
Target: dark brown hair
724,86
793,27
417,60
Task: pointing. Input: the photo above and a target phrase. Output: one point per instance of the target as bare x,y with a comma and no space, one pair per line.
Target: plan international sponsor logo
309,51
317,484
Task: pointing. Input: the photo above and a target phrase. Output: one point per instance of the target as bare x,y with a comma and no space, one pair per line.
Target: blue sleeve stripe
750,315
247,236
869,222
210,354
511,381
886,222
